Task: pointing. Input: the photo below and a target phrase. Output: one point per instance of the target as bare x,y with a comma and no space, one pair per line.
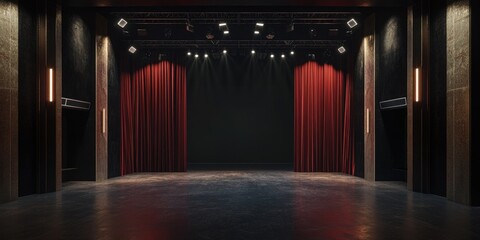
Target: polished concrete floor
242,204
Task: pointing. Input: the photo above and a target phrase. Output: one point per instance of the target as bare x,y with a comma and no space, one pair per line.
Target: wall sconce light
417,85
104,123
368,120
50,85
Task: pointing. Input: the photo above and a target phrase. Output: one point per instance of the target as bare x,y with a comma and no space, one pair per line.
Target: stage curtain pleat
153,117
323,127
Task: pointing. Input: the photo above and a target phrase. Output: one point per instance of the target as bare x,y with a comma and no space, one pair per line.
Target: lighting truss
264,44
171,18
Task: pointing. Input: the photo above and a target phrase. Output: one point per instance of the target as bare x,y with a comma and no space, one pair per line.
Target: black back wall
240,110
391,82
79,83
27,98
438,96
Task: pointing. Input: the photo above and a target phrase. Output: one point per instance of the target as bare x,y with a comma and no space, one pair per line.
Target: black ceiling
183,3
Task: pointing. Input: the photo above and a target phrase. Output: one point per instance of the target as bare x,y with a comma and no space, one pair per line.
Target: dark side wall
113,109
26,98
240,110
438,112
358,55
475,103
79,83
391,82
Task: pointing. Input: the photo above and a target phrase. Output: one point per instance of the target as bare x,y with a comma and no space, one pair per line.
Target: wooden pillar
458,101
410,97
418,122
49,92
8,101
58,96
101,133
369,65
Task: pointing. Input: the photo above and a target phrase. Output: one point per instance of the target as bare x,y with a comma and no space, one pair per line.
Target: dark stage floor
245,204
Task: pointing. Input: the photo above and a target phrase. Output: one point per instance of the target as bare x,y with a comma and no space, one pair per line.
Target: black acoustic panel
393,103
75,104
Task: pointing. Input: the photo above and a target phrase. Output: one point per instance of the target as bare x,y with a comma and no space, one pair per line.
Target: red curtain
323,126
153,118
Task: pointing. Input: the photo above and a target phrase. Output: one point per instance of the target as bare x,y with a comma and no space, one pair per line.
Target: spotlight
167,32
189,53
222,24
190,27
290,27
342,50
225,51
283,55
206,55
122,23
253,51
256,32
259,24
272,56
210,36
270,36
132,49
292,52
352,23
196,55
162,56
226,32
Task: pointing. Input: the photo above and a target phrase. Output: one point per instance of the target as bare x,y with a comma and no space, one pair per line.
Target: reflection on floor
242,204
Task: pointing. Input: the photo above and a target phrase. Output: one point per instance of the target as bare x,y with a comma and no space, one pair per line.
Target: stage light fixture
290,27
189,27
272,56
132,50
256,32
253,51
225,51
196,55
342,50
189,53
222,24
226,32
352,23
122,23
283,55
292,52
206,55
259,24
209,36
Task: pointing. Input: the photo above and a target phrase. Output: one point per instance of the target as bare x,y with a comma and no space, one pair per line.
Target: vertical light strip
417,85
50,85
104,125
368,120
